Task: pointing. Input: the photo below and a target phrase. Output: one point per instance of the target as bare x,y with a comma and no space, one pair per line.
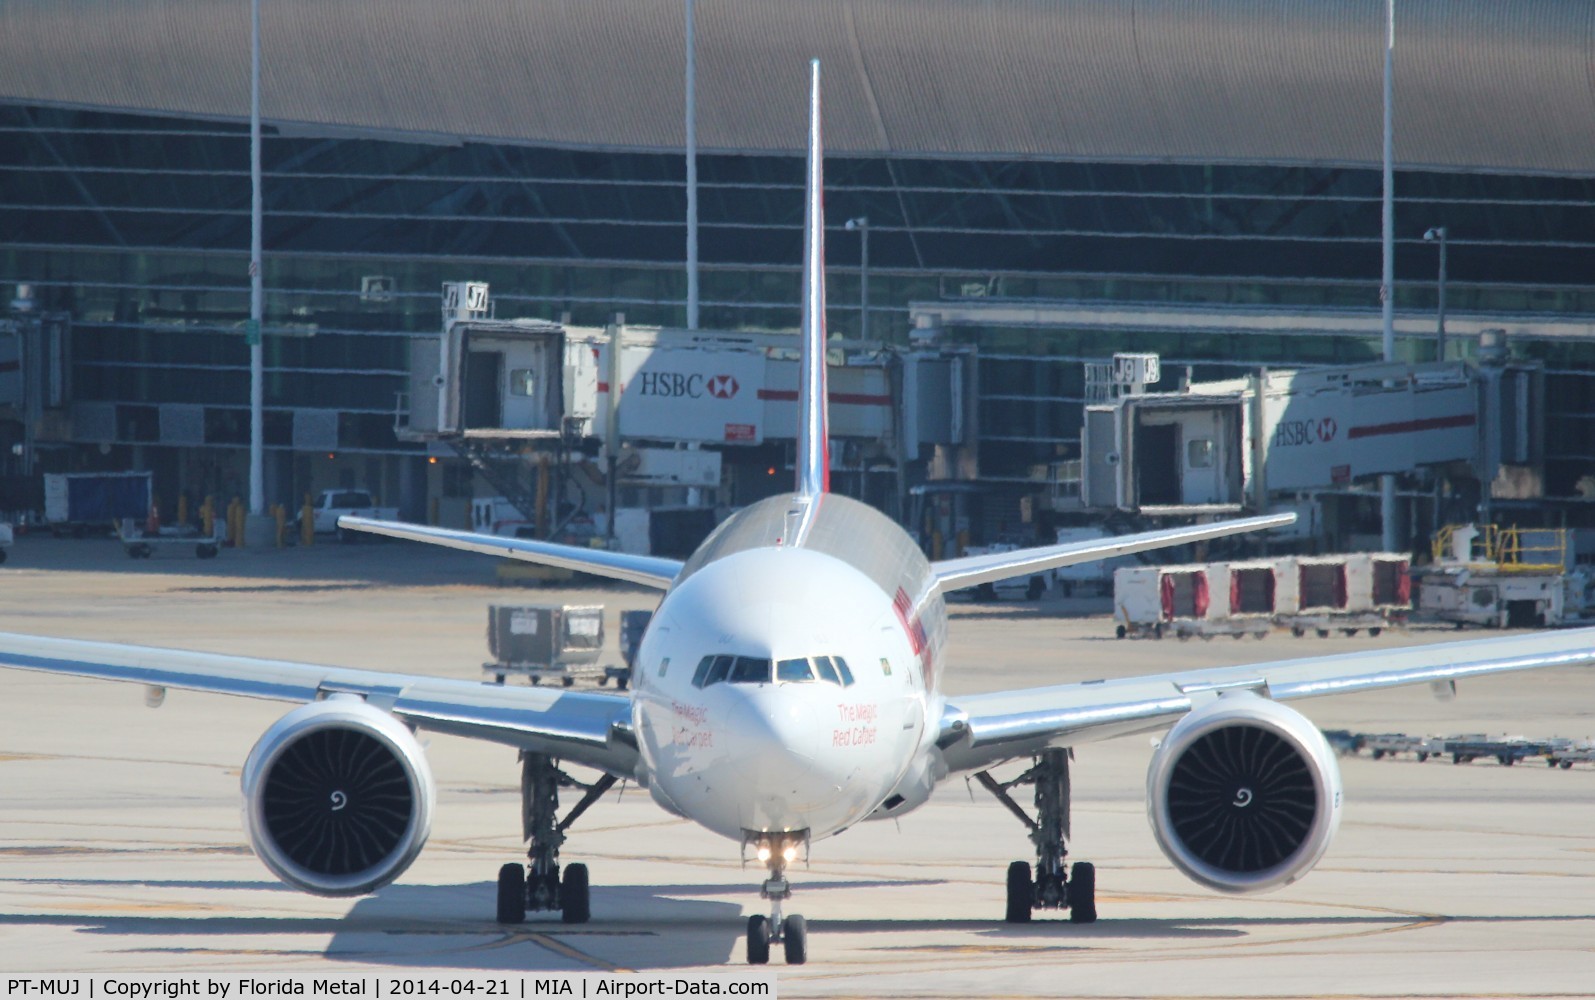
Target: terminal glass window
1199,454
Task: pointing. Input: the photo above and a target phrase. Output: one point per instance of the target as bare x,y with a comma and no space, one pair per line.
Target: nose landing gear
776,851
540,885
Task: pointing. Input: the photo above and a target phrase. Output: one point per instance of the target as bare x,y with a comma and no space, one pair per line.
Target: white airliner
786,689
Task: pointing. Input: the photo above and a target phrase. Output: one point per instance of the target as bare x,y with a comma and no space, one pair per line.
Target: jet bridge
701,416
1221,447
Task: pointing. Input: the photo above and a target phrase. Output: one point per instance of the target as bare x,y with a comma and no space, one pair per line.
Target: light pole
862,225
1437,234
257,478
1387,281
692,170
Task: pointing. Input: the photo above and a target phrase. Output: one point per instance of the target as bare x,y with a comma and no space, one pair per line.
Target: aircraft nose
764,722
776,753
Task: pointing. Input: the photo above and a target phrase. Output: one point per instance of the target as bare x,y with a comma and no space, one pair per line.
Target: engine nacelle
1244,794
337,797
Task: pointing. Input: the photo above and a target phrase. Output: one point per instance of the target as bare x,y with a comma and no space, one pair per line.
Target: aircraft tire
512,893
1083,893
795,939
758,940
1020,893
575,898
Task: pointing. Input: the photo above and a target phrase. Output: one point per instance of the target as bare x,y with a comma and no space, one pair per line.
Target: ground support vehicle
1324,624
333,504
1382,745
632,626
77,503
1506,750
1029,588
1504,577
141,543
1575,752
1342,593
549,642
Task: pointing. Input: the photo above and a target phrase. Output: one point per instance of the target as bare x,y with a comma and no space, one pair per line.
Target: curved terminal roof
1481,84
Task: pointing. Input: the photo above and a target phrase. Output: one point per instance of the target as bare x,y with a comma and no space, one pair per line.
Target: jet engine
1244,794
337,797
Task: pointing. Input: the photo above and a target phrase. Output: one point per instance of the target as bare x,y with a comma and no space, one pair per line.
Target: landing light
764,852
789,853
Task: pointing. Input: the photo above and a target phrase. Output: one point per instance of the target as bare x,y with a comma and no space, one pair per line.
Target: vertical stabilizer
813,448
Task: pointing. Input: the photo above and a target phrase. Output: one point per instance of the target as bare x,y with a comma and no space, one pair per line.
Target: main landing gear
540,884
776,851
1049,887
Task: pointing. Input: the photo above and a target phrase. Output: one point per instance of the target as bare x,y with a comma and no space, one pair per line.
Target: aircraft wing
970,571
650,571
980,730
584,727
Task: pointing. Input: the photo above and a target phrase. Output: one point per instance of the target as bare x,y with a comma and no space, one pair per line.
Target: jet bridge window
523,382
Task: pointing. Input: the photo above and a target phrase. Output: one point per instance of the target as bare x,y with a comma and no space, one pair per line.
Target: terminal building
1036,187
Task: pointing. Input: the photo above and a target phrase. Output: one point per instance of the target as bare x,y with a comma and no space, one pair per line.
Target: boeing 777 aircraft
786,689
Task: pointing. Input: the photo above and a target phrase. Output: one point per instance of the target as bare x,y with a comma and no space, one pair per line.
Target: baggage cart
552,642
141,543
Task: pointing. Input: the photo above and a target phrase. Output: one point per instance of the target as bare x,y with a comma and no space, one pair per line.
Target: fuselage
788,680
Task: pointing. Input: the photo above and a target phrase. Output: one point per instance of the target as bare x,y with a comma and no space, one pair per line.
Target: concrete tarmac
121,847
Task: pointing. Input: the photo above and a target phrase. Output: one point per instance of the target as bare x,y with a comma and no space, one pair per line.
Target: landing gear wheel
574,898
1036,588
795,939
1375,631
1297,631
1118,632
512,893
1083,893
758,940
1021,893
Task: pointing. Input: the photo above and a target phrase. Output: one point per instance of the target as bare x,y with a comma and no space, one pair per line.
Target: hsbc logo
678,385
1289,433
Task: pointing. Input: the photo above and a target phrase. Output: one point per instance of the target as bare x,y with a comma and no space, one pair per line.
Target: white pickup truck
333,504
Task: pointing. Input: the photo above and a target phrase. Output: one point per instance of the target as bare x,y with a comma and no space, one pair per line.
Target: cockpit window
793,670
749,670
713,669
841,668
719,667
702,672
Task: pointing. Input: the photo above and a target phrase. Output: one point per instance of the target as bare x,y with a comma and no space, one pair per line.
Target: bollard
182,510
207,516
280,514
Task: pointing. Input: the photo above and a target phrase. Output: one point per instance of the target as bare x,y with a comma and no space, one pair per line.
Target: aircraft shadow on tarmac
421,926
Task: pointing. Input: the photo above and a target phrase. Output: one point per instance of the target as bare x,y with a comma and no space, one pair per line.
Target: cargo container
545,642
